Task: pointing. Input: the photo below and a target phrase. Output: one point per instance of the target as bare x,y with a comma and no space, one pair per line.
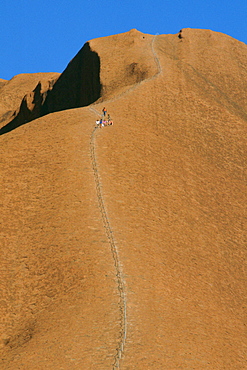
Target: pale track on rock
109,233
115,255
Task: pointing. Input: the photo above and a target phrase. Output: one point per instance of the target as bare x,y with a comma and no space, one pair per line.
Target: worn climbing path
115,255
109,232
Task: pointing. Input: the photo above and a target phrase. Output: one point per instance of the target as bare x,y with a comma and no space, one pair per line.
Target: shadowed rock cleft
78,86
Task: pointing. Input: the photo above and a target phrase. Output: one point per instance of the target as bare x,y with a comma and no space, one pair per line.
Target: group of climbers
105,120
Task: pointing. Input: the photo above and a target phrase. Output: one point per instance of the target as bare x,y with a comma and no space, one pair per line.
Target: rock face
22,97
2,82
91,75
78,86
152,206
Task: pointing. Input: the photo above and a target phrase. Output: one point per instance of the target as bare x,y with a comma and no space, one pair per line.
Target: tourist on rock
104,111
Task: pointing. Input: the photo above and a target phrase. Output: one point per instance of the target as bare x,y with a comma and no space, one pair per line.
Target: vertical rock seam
115,255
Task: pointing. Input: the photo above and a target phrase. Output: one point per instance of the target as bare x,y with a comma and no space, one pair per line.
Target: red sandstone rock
172,180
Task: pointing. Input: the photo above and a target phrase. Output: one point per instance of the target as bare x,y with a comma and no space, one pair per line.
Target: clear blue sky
44,35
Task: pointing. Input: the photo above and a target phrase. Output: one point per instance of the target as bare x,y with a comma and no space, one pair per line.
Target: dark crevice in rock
78,86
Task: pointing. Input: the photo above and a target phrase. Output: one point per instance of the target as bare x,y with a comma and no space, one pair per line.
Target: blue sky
44,35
